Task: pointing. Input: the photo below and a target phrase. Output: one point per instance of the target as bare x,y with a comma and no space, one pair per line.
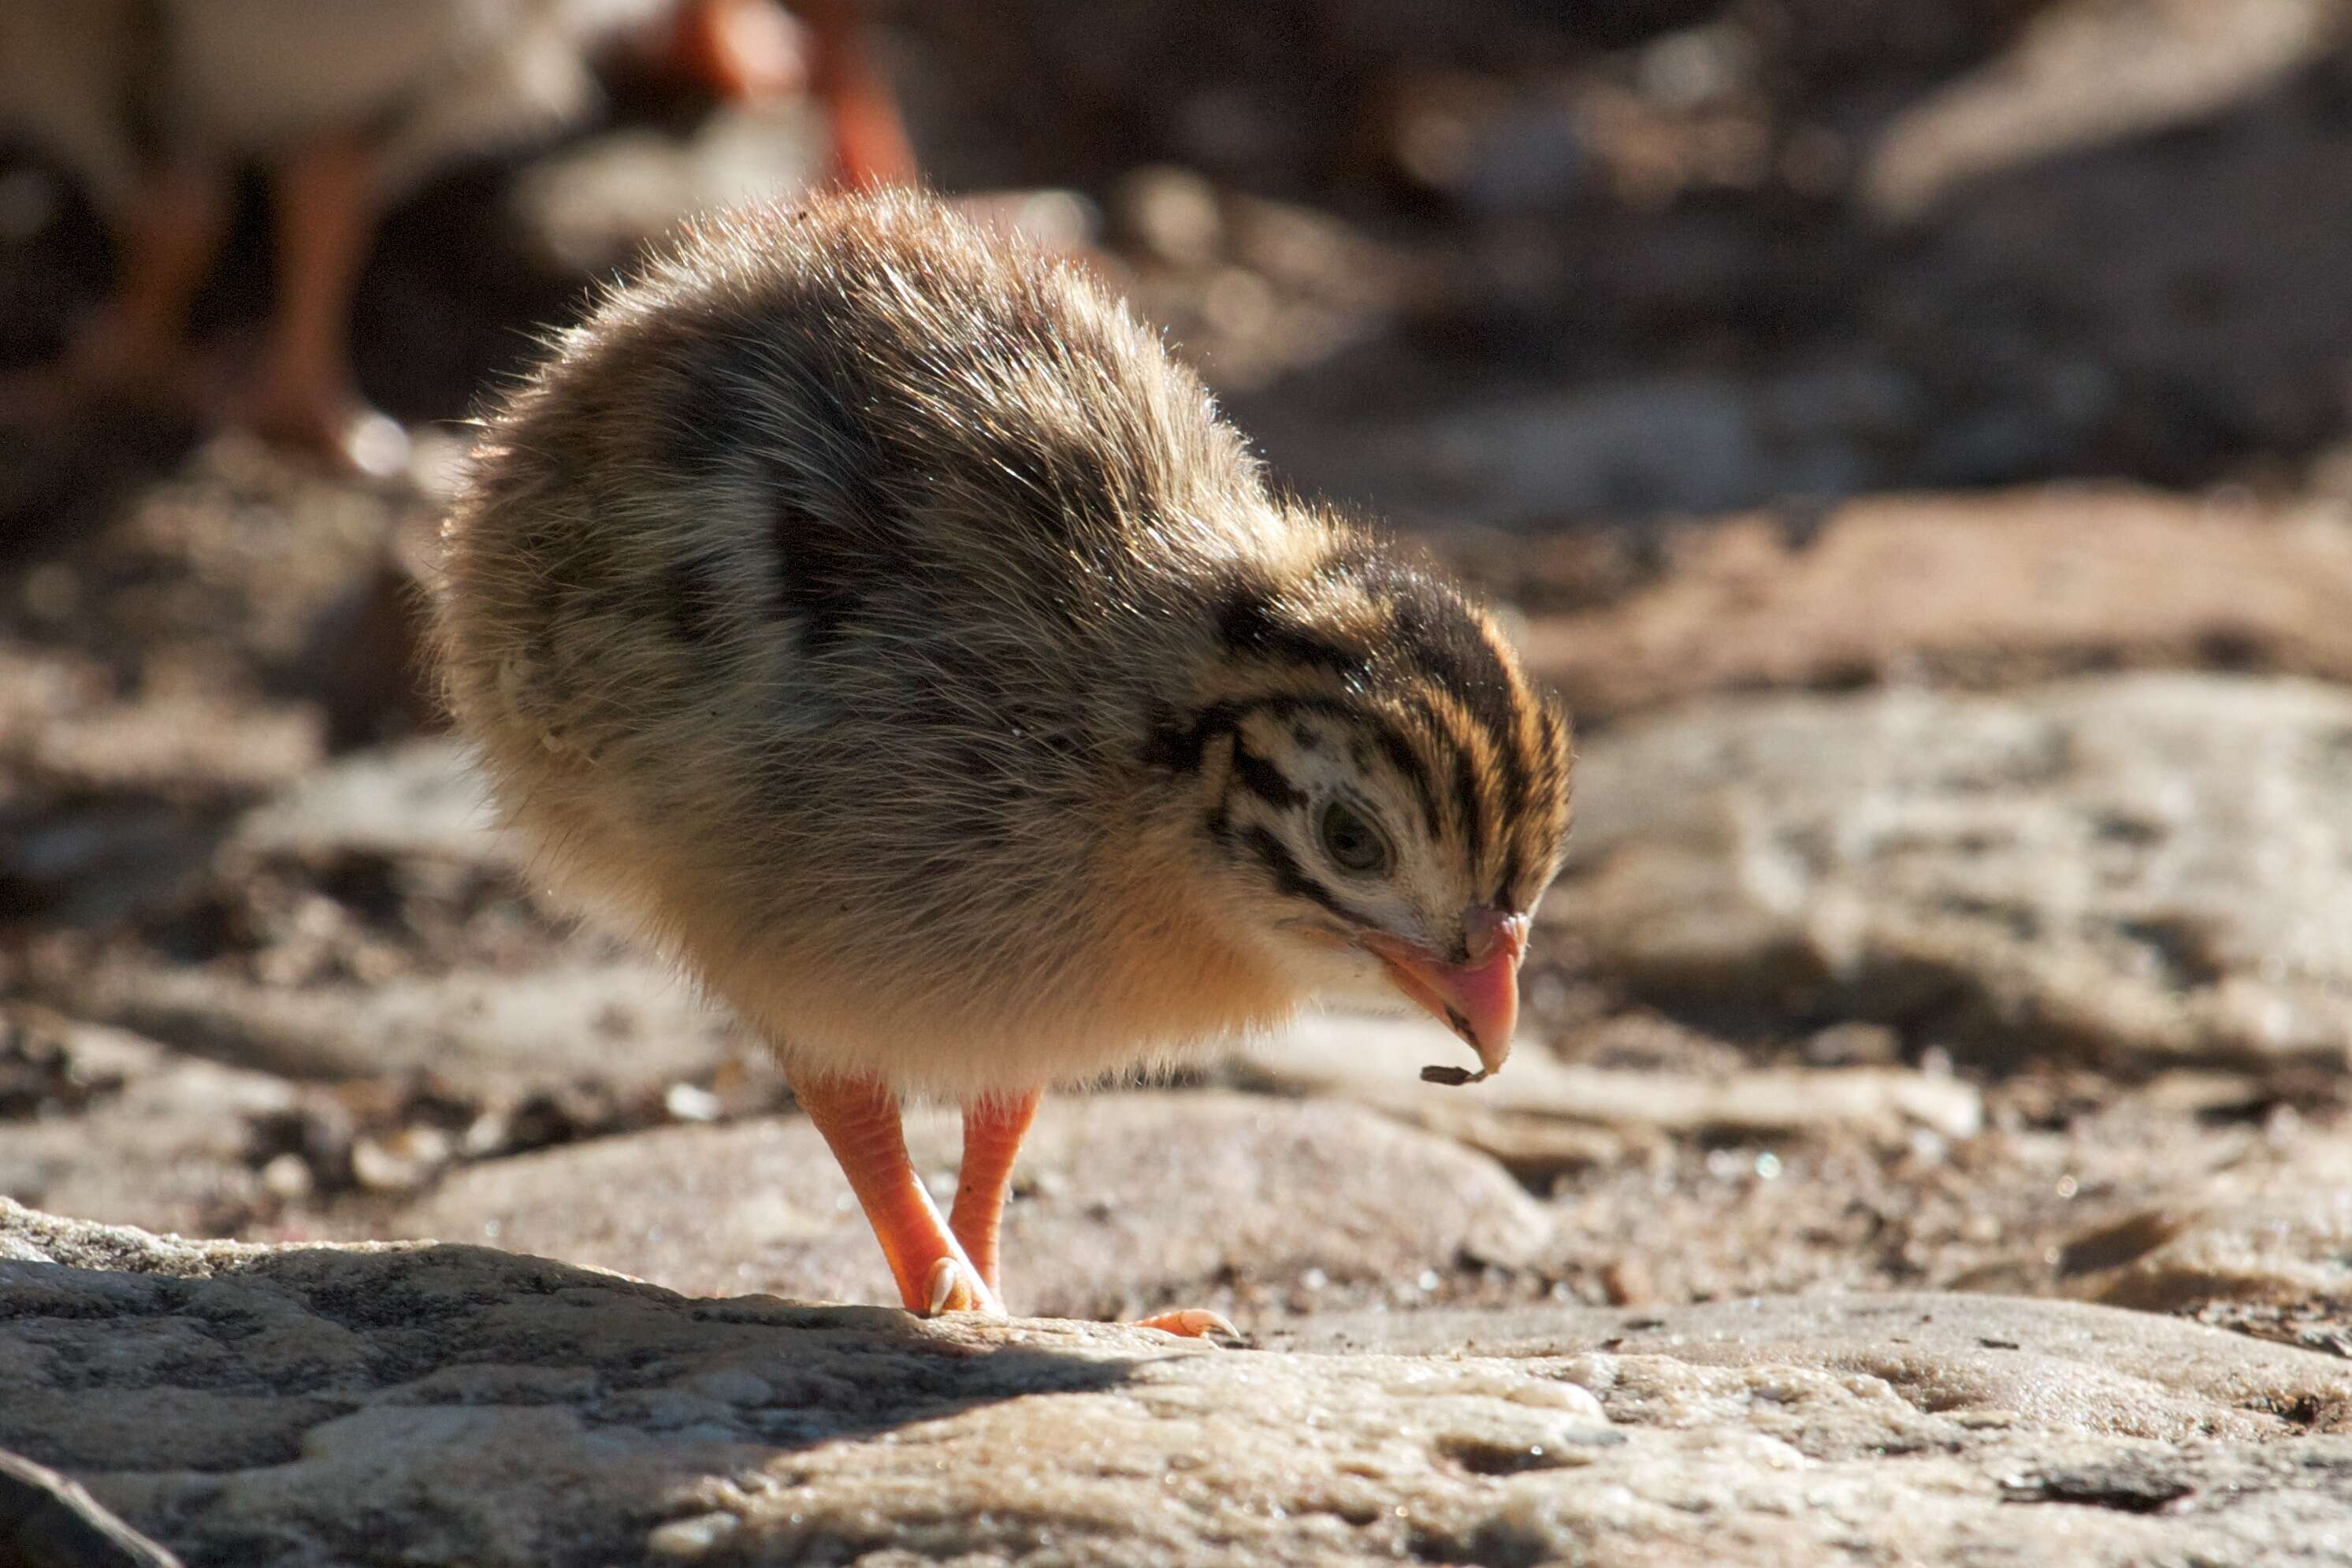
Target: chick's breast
810,601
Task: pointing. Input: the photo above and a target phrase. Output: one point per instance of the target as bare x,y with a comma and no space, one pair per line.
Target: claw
950,1287
1191,1324
946,1289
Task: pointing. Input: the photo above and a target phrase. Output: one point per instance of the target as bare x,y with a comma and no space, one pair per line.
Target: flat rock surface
1125,1203
1969,590
630,1021
2137,867
323,1406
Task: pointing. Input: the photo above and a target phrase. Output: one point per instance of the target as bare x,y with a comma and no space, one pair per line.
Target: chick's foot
859,1119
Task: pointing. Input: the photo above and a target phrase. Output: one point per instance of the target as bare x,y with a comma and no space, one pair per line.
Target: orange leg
993,1131
325,219
137,346
859,1119
870,147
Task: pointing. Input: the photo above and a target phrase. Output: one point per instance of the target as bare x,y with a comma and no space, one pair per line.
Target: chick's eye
1354,845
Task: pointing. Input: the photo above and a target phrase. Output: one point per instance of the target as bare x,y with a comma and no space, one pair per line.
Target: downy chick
872,611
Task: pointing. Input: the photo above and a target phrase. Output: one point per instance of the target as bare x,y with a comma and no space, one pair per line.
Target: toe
1191,1324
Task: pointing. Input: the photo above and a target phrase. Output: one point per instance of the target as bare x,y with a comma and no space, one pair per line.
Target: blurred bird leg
136,345
305,394
870,146
859,1119
993,1131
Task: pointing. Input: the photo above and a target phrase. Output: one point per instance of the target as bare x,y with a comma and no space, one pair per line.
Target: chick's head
1384,795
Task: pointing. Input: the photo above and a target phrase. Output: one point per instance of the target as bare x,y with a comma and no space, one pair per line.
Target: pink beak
1478,1000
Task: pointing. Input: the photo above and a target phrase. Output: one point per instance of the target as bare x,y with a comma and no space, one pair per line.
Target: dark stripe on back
794,425
693,599
838,539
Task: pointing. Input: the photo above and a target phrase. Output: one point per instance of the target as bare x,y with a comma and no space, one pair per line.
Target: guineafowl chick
870,609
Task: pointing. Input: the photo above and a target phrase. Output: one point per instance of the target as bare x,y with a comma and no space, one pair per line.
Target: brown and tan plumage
872,610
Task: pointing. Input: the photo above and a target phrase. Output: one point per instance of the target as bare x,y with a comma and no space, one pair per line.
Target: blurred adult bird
153,105
870,608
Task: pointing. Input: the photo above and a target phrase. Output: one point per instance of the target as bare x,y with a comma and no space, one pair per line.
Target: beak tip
1479,1001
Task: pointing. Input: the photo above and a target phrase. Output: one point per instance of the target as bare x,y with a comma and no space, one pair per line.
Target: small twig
49,1521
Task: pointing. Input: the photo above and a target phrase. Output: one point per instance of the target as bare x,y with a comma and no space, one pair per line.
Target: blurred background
1913,434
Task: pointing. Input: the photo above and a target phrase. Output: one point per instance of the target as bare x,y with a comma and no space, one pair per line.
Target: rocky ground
1927,1137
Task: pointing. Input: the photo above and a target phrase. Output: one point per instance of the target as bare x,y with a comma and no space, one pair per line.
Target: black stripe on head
1536,833
1516,784
1171,746
1390,742
1557,762
1512,870
1179,745
1264,780
1291,881
1445,638
1435,632
1469,801
1250,623
1407,762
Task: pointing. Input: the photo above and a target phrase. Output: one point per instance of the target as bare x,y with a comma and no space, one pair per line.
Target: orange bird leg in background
993,1131
325,222
137,343
870,146
859,1119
